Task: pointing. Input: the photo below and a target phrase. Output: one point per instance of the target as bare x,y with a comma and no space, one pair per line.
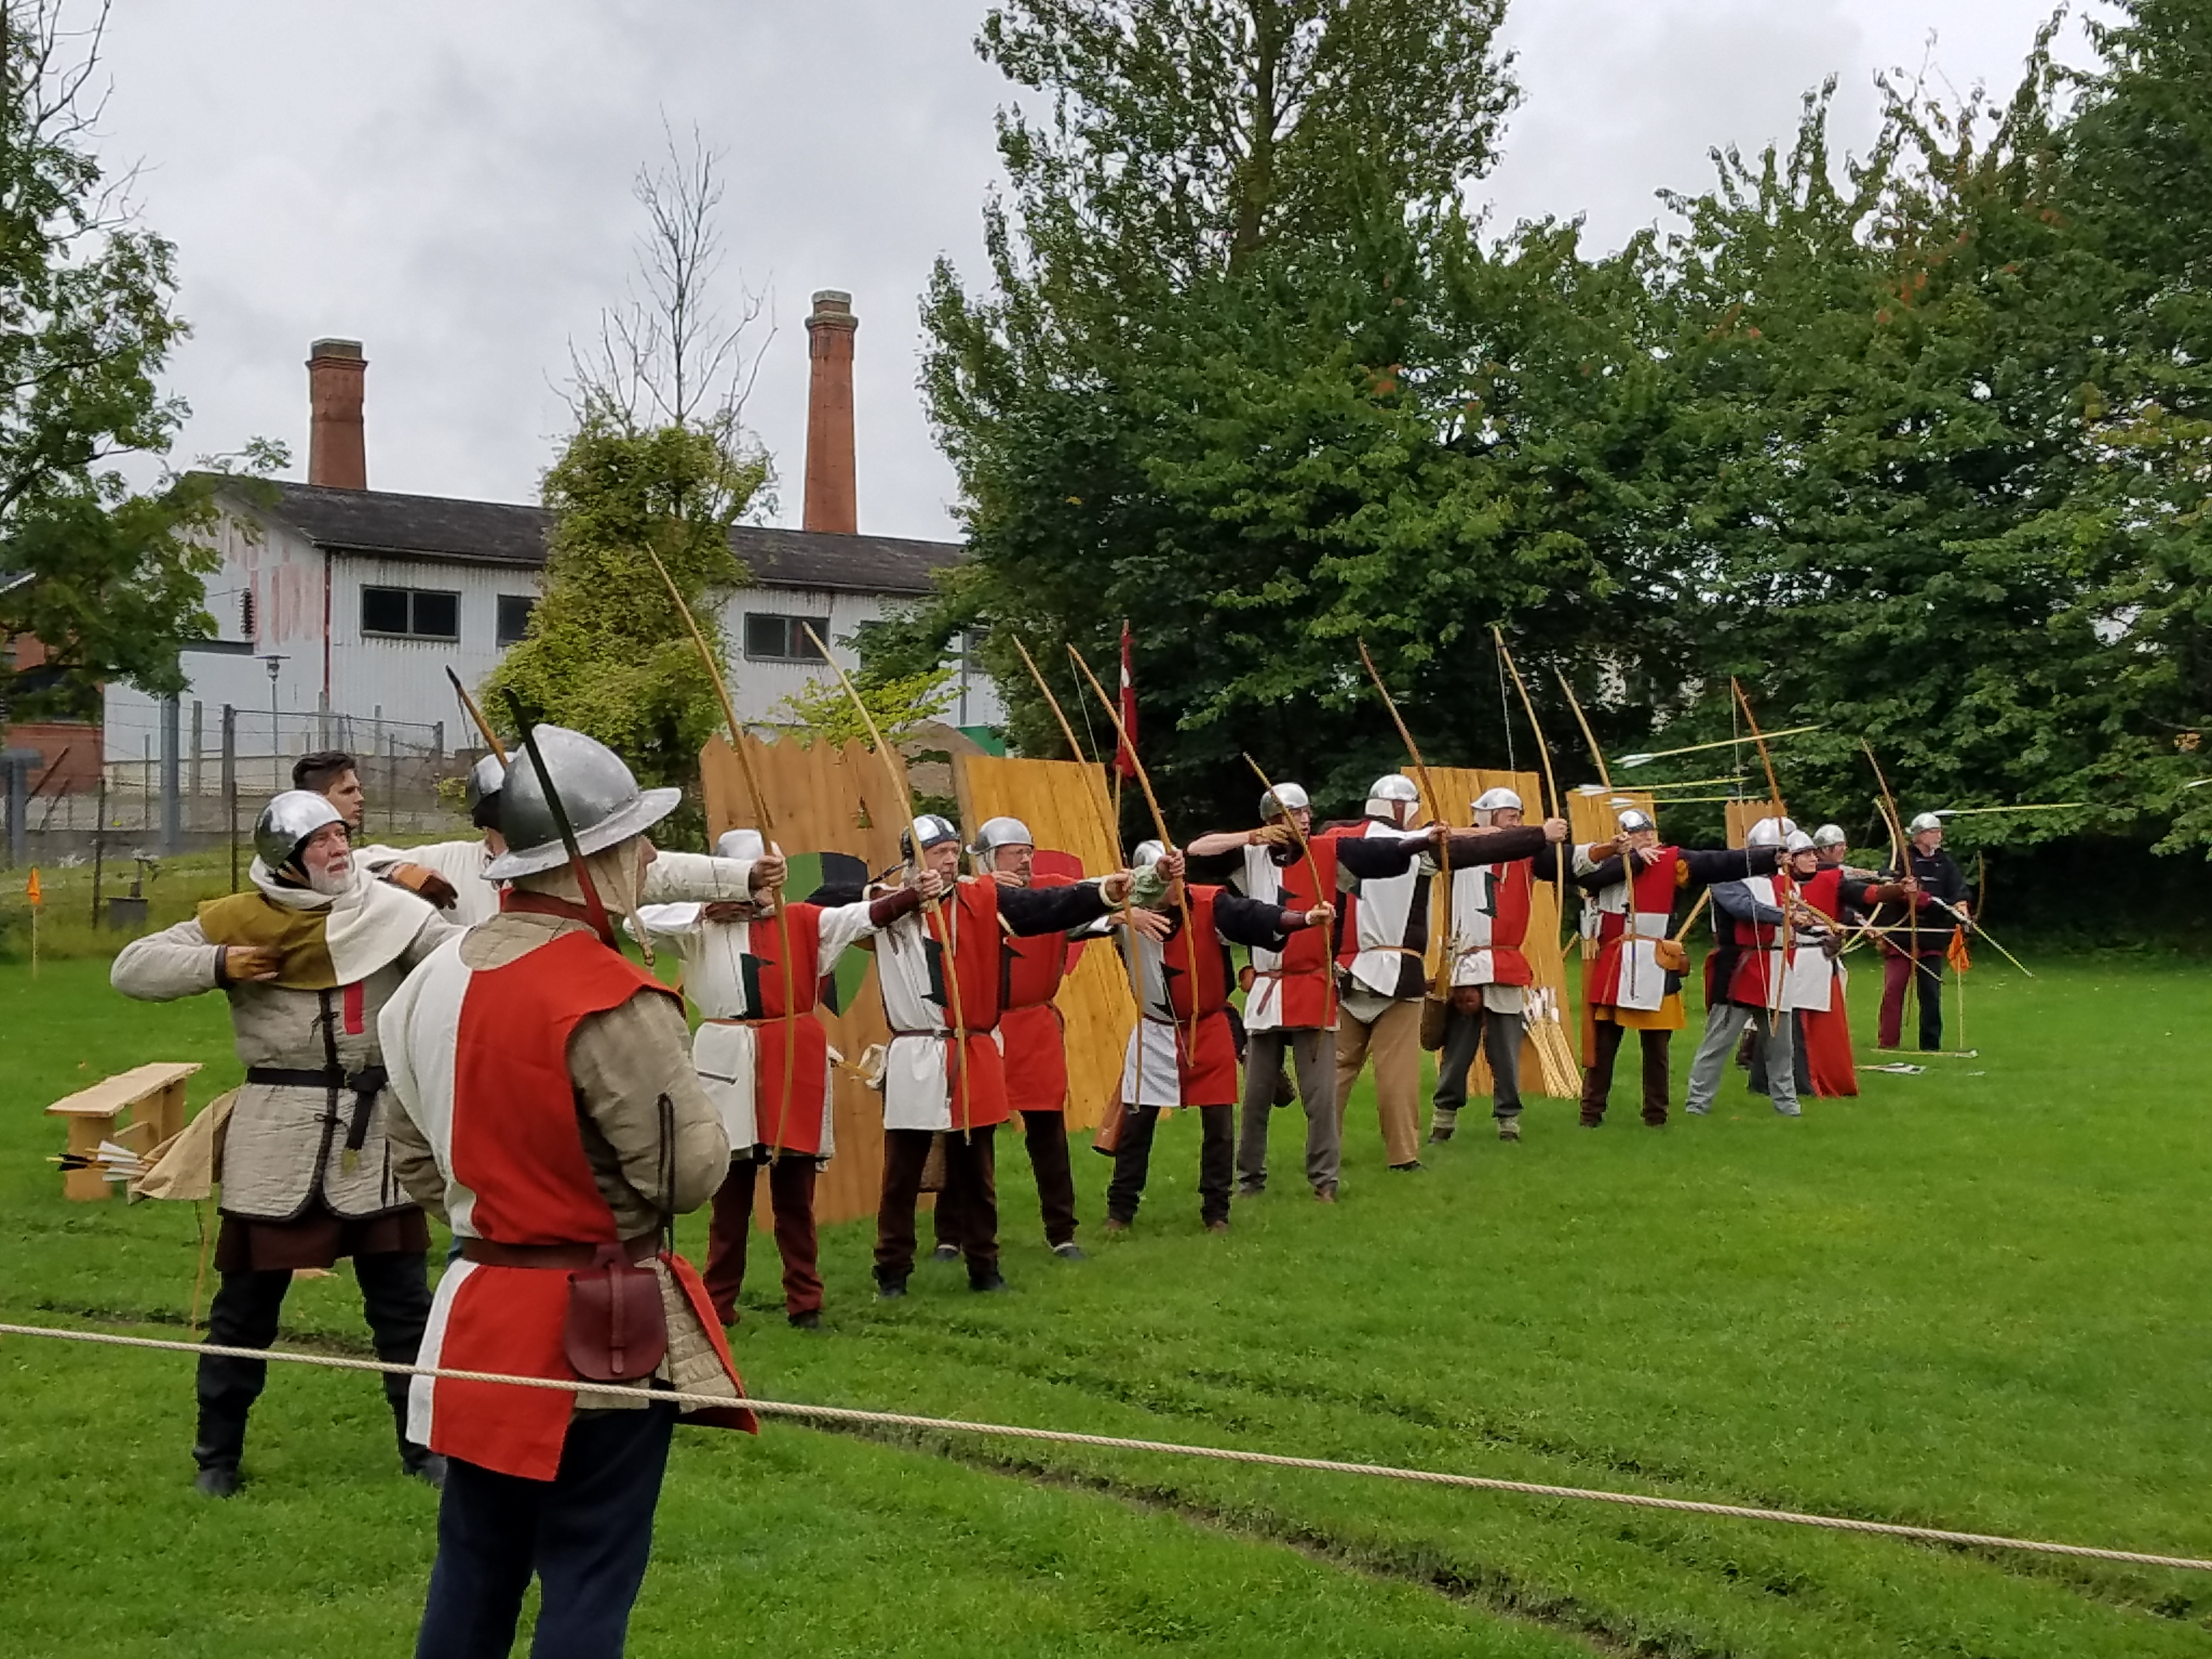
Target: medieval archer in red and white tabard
775,1099
552,1117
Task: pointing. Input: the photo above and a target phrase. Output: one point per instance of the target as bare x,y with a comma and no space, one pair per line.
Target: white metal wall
294,584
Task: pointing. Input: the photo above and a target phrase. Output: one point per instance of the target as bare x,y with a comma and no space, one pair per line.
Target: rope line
1113,1443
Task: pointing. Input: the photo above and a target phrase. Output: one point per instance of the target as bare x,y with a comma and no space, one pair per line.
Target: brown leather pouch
617,1327
1672,955
1435,1010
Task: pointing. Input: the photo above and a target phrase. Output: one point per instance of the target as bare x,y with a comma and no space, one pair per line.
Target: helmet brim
635,819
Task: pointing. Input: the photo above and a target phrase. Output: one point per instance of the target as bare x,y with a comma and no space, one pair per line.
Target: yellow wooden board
1742,814
1066,807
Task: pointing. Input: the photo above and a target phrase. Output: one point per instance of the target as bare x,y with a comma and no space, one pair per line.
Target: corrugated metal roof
383,521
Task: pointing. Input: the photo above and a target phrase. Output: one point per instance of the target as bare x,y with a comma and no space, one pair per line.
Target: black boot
218,1449
416,1460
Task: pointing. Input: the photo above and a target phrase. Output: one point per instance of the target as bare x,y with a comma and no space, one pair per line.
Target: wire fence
207,780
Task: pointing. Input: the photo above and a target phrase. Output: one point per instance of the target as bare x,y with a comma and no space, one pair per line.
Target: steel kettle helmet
286,822
605,806
1001,832
1769,832
1390,790
929,830
740,844
1282,800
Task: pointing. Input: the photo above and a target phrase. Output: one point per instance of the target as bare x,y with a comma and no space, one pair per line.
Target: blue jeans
587,1534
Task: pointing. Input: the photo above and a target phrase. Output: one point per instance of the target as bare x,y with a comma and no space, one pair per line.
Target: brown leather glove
423,882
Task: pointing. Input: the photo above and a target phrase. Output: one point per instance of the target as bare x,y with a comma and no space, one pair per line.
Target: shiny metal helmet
1798,842
1389,792
740,844
1001,832
1495,800
1925,820
605,807
485,780
1146,853
1769,832
1830,835
928,830
1634,819
287,820
1282,800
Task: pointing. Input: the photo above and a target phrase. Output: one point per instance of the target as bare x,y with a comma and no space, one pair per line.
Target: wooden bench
139,1108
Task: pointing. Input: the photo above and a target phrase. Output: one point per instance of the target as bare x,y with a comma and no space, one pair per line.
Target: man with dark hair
336,776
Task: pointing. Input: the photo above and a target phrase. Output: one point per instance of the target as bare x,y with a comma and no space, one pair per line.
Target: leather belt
574,1258
363,1085
754,1021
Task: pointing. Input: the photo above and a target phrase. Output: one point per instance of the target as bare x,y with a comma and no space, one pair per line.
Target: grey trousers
1314,1054
1499,1037
1724,1024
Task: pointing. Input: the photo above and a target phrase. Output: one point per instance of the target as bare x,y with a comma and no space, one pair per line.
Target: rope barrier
1113,1443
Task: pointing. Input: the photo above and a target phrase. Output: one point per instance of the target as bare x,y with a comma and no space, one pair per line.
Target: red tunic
1760,960
1652,896
1304,972
776,991
1828,1032
1509,887
1031,1035
516,1145
976,1071
1198,987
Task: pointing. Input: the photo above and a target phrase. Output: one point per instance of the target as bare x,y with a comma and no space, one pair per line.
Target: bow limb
768,835
1782,861
1160,827
1604,776
1107,823
476,719
1543,753
1313,868
1900,848
948,943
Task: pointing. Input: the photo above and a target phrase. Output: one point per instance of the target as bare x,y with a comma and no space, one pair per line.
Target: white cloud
451,183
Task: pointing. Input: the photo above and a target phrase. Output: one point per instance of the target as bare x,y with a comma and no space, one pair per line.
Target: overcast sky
450,183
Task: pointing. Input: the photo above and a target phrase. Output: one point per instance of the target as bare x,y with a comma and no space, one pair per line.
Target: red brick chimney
337,452
832,501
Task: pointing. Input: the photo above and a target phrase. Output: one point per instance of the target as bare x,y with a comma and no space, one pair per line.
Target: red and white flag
1124,758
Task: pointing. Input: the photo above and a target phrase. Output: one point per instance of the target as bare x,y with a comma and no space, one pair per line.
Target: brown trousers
1394,1041
1045,1136
970,1186
1597,1078
791,1197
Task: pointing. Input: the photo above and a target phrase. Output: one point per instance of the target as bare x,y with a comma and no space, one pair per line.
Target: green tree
661,463
107,576
1237,378
606,652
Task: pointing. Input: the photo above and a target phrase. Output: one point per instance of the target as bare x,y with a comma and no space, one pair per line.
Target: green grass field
1972,1299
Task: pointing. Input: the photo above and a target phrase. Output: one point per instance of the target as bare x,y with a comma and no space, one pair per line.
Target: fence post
172,783
99,842
193,794
145,786
230,784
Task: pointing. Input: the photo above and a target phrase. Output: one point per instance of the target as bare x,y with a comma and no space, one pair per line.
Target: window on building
515,611
770,638
420,613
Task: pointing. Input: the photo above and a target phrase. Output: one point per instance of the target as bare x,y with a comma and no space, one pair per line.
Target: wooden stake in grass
31,892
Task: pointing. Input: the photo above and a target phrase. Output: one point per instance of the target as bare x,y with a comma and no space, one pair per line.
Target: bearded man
308,958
